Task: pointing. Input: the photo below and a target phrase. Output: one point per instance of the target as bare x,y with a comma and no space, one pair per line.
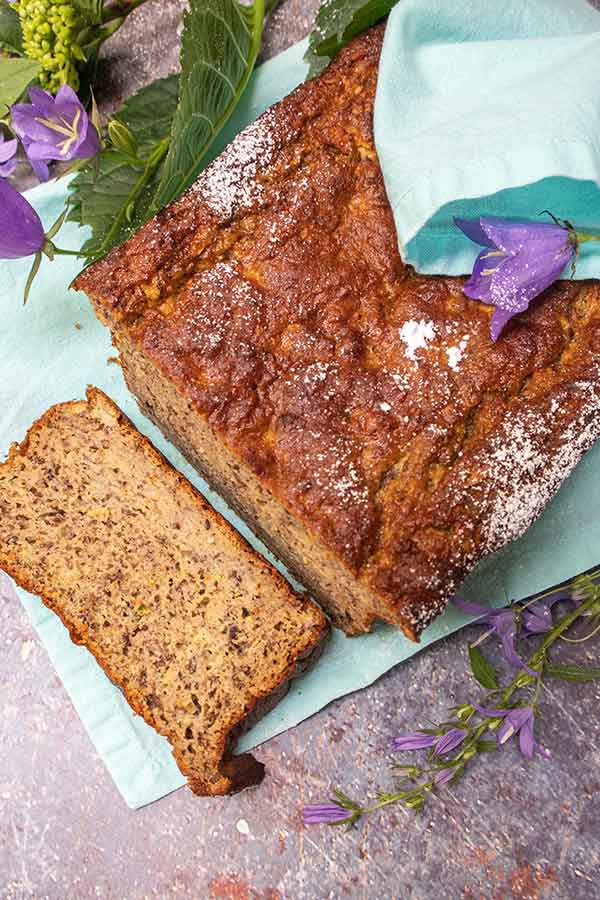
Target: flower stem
421,782
583,236
158,154
60,252
539,655
583,639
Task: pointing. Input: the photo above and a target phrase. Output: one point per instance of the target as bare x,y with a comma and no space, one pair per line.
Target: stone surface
511,830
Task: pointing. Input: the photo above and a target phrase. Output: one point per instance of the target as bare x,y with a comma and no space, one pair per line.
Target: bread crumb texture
199,632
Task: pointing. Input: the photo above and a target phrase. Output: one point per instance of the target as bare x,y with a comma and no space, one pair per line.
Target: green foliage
571,672
156,146
89,11
11,36
113,198
336,23
221,39
15,76
516,704
482,670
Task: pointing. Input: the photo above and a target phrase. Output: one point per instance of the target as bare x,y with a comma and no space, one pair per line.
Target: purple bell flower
520,260
54,128
536,617
325,814
21,231
516,721
8,162
503,623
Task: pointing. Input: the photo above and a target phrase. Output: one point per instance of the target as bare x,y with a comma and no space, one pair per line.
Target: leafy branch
112,196
506,711
171,123
221,40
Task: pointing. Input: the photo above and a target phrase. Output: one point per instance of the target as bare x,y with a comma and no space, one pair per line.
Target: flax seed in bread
199,632
354,412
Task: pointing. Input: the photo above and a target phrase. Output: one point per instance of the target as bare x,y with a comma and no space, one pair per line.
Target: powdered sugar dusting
525,474
231,183
456,353
416,336
338,476
221,293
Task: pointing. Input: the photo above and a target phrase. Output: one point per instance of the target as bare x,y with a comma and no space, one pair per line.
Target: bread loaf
200,633
355,413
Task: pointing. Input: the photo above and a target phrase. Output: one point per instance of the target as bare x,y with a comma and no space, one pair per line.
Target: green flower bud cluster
49,37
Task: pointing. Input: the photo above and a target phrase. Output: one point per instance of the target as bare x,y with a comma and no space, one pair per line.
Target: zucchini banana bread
355,413
199,632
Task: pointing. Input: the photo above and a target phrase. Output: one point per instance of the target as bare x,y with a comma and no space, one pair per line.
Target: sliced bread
200,633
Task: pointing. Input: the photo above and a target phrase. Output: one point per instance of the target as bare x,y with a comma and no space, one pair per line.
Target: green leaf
336,23
11,36
482,670
571,672
221,39
15,76
112,194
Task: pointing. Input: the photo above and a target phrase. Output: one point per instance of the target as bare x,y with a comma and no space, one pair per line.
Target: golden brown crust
237,772
368,399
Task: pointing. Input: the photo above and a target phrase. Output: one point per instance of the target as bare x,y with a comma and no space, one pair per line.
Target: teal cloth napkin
52,348
488,108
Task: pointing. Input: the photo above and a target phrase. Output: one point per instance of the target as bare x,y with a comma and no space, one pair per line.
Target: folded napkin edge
412,210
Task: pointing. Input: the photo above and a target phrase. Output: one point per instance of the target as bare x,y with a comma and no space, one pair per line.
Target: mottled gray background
511,830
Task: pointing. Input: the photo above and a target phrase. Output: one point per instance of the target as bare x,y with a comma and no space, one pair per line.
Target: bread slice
200,633
355,412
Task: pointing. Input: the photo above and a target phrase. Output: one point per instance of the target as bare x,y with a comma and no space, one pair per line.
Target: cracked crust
361,399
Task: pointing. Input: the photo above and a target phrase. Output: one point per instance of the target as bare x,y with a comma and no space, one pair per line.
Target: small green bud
464,712
122,138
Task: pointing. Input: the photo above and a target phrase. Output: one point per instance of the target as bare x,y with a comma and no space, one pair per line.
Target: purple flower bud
54,128
8,162
21,232
520,260
444,776
415,741
325,814
450,741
